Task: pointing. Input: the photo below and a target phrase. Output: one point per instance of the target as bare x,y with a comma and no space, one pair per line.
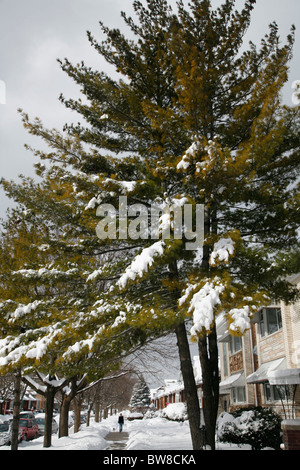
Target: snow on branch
13,349
188,156
222,251
23,310
240,319
206,299
202,303
35,385
202,306
141,263
44,273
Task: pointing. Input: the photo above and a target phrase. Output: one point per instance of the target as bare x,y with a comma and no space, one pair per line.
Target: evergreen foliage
192,119
140,399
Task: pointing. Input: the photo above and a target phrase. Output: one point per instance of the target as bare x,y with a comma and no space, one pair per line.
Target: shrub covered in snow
175,412
134,415
152,413
258,427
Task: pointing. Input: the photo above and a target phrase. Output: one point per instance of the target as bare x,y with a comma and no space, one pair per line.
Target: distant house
29,401
173,390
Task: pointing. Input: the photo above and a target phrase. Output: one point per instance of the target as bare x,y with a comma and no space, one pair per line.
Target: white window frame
233,346
236,395
264,321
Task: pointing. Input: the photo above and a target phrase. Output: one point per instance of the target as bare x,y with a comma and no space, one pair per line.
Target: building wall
241,361
258,350
271,347
291,328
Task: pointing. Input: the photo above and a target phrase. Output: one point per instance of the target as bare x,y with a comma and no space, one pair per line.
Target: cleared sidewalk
116,440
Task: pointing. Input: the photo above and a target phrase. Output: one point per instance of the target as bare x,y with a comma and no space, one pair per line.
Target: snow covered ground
147,434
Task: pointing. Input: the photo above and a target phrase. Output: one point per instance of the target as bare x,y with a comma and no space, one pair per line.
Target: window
269,321
225,364
276,392
239,394
235,344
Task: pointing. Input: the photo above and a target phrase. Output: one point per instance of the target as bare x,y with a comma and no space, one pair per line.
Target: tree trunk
190,389
65,407
208,346
77,408
75,385
50,394
16,415
88,416
64,417
208,352
97,412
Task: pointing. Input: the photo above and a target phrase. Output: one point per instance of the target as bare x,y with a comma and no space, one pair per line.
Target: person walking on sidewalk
121,422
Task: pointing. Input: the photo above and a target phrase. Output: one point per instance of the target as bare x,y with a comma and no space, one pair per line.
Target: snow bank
148,434
159,434
175,412
88,438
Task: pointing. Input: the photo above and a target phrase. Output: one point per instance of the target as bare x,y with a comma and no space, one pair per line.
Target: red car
30,429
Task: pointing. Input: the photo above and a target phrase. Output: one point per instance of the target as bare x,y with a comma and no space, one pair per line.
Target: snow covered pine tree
192,120
140,399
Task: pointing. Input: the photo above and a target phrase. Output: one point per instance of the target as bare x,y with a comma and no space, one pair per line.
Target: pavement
117,440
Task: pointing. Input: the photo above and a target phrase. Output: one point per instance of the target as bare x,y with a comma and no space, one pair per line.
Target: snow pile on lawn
175,412
158,434
88,438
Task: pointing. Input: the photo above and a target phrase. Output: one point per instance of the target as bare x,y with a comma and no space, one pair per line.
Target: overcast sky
34,33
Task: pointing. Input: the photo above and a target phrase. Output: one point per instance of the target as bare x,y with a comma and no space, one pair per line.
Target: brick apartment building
263,367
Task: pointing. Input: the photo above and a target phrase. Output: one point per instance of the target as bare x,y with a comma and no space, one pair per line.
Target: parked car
6,433
40,420
83,418
30,429
27,414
